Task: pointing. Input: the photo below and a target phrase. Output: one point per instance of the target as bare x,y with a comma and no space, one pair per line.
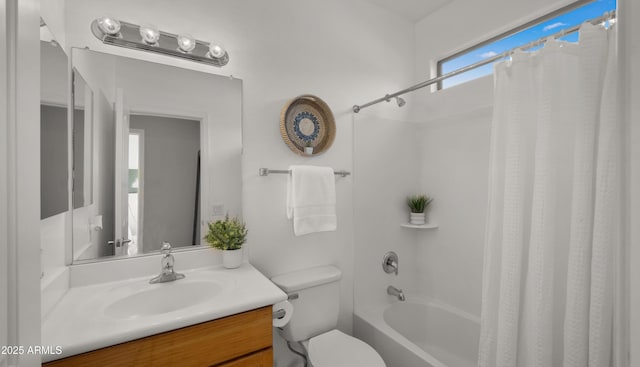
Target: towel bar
266,172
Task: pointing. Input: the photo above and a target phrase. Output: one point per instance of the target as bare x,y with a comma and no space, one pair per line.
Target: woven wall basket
307,120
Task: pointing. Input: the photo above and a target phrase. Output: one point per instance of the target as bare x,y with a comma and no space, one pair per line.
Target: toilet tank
316,308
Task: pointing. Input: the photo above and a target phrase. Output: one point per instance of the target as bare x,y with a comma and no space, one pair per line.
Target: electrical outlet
217,210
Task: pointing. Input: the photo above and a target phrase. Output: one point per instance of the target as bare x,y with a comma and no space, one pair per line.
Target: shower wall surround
379,195
449,160
454,169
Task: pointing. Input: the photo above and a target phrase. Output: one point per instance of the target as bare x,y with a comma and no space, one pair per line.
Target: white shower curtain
554,204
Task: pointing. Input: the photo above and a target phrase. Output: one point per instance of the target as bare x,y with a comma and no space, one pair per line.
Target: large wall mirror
156,155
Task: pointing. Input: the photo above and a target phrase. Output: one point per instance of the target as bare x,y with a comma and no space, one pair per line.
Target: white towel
311,199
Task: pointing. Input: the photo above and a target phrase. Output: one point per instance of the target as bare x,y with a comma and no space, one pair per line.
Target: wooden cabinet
259,359
241,340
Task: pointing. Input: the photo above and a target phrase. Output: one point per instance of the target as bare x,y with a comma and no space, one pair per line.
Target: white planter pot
418,218
308,150
232,259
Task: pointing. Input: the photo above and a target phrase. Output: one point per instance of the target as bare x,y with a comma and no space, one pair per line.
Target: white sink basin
163,298
95,316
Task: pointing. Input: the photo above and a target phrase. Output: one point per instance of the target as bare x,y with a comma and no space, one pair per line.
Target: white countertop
78,323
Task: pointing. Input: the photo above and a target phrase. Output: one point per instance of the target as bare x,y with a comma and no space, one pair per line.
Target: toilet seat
337,349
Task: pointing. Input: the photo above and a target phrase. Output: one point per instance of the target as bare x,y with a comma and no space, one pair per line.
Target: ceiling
414,10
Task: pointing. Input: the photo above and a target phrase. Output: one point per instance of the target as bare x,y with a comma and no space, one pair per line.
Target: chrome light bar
128,35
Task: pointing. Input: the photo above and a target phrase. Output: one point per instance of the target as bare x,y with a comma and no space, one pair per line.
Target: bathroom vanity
213,317
239,340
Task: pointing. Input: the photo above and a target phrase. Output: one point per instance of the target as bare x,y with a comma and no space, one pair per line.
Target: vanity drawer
207,344
263,358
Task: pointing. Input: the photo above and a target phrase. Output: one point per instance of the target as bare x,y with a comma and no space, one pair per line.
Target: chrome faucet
393,291
167,274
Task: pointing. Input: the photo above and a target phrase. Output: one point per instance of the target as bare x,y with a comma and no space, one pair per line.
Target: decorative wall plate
307,121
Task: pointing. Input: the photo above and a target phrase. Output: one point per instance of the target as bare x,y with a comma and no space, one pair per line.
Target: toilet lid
336,349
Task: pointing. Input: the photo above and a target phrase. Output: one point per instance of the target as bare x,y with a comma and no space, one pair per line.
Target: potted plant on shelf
418,204
228,235
308,147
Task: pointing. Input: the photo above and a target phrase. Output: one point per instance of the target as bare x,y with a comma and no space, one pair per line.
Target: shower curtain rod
607,16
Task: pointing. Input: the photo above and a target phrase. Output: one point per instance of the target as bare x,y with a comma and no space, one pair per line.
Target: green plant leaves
418,203
227,234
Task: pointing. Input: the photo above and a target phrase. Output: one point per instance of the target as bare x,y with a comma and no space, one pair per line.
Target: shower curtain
553,217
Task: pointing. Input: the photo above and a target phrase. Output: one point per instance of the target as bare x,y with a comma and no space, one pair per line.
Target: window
540,28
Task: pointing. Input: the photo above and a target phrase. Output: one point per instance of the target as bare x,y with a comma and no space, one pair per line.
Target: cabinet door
263,358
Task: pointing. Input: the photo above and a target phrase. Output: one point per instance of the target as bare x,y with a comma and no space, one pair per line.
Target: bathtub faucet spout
393,291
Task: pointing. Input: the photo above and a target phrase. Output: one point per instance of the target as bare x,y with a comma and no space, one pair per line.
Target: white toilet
315,316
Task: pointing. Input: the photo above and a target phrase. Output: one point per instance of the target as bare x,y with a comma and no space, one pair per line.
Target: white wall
53,75
343,52
4,190
20,177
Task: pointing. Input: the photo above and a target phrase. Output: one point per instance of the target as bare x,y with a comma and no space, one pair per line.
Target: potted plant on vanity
418,204
228,235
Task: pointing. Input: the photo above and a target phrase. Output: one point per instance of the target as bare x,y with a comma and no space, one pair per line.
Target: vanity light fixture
186,43
109,25
115,32
150,34
216,51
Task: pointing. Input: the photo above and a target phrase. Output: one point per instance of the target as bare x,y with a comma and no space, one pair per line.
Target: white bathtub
419,333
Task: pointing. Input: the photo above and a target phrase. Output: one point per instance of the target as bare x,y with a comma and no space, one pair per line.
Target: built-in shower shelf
419,226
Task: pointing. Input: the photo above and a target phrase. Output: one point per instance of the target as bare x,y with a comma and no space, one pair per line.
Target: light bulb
186,43
150,34
109,25
216,51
